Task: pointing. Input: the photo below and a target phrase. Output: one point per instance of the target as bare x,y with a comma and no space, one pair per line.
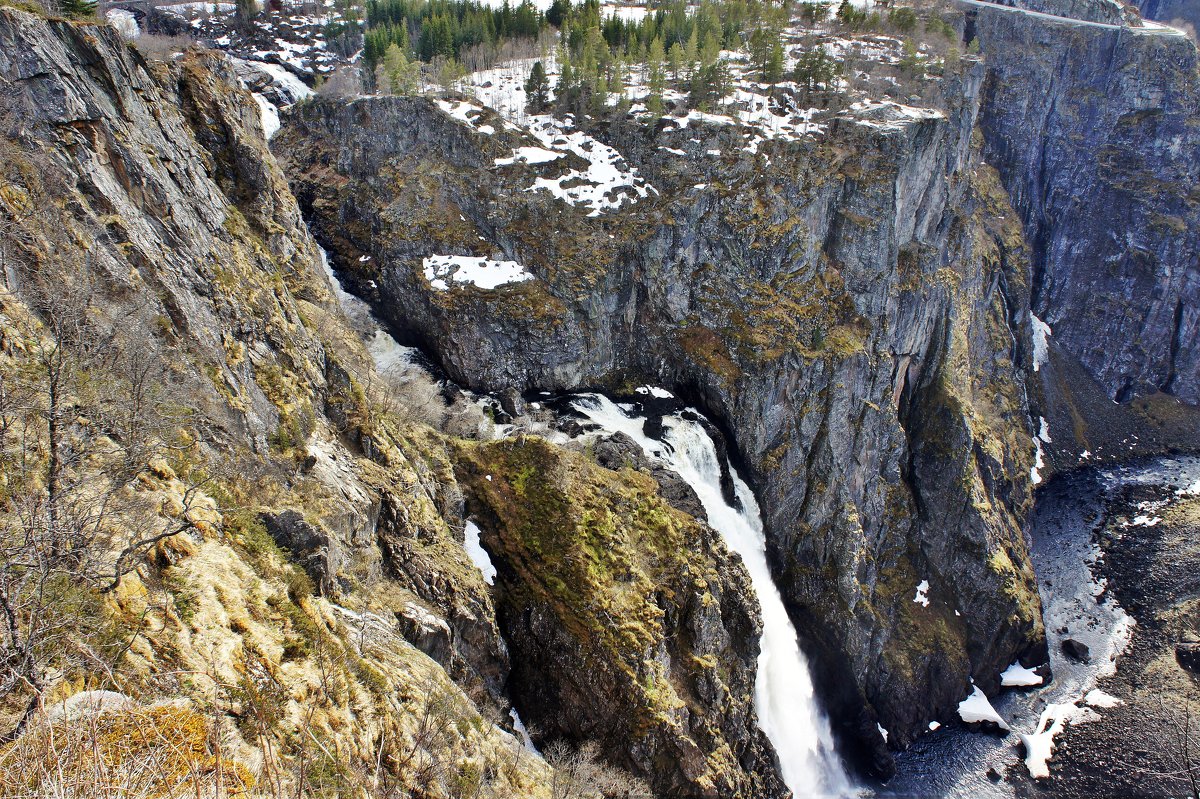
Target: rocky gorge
898,326
853,310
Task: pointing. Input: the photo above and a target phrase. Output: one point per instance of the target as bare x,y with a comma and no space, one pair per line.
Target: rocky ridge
315,613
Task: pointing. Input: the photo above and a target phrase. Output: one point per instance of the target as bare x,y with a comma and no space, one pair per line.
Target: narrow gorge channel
953,760
787,708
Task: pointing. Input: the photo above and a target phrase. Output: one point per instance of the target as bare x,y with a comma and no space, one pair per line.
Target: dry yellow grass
158,752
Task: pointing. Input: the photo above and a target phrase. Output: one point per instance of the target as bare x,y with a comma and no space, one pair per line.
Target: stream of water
787,709
954,762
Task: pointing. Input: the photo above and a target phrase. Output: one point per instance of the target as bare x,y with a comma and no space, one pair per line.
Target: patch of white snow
479,555
480,272
1041,332
922,597
976,708
1097,698
1019,676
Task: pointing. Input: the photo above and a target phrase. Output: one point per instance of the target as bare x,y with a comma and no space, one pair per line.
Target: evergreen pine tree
675,58
401,74
760,49
655,77
244,11
537,89
616,75
692,52
773,71
566,77
711,52
78,9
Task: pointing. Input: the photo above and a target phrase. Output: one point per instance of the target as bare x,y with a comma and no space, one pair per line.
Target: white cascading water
783,695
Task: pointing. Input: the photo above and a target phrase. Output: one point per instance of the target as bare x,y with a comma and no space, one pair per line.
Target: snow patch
922,597
479,555
655,391
1041,333
480,272
1019,676
1097,698
1044,430
462,111
1039,462
607,184
934,726
882,731
976,708
1039,746
530,155
519,726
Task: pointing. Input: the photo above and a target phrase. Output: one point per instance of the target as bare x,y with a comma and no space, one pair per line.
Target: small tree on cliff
537,89
78,9
656,77
401,75
245,12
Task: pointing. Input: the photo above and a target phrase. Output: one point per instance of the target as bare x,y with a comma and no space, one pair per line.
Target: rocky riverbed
1115,553
1147,745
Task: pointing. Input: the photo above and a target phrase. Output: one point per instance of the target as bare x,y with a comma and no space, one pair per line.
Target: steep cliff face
842,304
629,622
1171,11
311,583
153,247
1092,130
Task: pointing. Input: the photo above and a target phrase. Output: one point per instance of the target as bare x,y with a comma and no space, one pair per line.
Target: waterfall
783,695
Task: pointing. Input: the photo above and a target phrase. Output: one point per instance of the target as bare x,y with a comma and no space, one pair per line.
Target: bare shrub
581,774
346,81
157,47
155,751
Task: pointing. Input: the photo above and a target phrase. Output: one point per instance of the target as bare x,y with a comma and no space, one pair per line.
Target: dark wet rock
427,632
619,451
1188,656
313,548
629,622
1076,650
512,403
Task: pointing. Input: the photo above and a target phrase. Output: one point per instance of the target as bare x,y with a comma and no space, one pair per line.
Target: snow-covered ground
294,35
124,21
606,184
976,708
1041,337
1017,676
479,556
762,112
480,272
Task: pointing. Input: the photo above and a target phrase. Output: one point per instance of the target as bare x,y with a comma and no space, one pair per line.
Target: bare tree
581,774
85,424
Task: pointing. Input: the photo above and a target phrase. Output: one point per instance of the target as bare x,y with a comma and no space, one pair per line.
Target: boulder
1076,650
1188,655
